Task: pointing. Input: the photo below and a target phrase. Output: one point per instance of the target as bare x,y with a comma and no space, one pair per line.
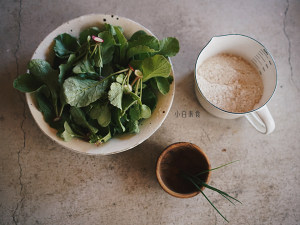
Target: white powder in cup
230,83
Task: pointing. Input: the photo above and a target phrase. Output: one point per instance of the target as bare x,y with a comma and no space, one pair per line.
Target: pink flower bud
97,39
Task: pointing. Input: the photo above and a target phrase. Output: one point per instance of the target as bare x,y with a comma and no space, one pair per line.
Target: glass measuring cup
256,54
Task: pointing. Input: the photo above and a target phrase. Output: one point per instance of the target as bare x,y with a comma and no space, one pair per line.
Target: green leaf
169,47
136,64
27,83
140,49
44,105
82,92
107,47
156,66
120,78
84,66
115,95
102,114
65,68
65,44
62,101
98,62
135,112
137,35
110,28
80,119
133,126
122,42
170,79
44,72
163,84
127,102
135,97
98,139
106,137
68,133
144,40
88,32
90,76
145,111
116,117
107,70
149,98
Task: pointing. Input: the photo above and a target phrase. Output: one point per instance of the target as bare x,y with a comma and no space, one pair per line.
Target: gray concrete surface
43,183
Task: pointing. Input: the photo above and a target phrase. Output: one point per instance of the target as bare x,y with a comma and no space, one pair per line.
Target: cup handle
262,120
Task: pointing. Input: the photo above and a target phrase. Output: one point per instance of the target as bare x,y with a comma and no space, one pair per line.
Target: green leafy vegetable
156,66
137,35
122,42
44,105
79,118
100,84
68,133
108,46
144,40
169,47
82,92
65,44
149,98
98,139
116,117
44,72
27,83
102,114
65,68
134,127
120,78
115,95
140,49
84,66
145,111
162,84
135,112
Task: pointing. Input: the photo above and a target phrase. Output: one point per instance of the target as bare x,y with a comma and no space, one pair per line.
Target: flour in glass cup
230,83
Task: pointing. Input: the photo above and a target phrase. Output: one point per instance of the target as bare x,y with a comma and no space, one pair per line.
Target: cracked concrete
43,183
22,191
289,43
22,194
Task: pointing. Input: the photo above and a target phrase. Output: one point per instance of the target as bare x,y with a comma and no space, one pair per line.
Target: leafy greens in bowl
101,77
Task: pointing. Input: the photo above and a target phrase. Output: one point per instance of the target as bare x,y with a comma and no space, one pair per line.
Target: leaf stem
128,75
205,171
141,90
137,86
196,185
94,50
135,80
61,110
213,188
120,71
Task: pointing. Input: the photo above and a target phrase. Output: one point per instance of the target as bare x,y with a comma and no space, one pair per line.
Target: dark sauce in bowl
176,159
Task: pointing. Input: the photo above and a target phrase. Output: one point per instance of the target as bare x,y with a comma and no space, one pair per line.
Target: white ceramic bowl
116,144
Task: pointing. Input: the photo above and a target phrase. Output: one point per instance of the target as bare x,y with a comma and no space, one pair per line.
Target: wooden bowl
178,157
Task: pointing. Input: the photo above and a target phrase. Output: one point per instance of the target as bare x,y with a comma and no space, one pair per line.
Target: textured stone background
43,183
